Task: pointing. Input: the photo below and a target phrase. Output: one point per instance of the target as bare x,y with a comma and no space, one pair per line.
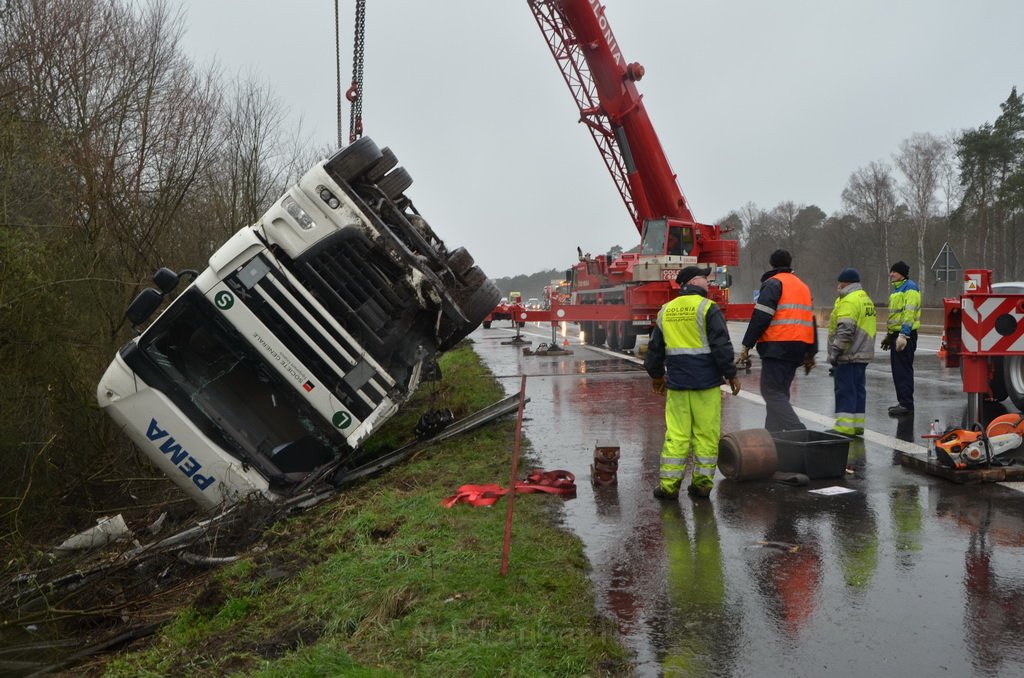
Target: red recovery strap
553,482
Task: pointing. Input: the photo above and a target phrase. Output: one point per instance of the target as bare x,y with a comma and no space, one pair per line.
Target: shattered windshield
233,388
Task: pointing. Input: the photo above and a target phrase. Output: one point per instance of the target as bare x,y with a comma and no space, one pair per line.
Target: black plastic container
817,454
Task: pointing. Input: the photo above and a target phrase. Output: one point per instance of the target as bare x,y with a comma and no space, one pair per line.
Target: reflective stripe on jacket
793,318
852,327
904,308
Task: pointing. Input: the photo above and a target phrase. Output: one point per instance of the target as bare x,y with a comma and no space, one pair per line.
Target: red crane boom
604,87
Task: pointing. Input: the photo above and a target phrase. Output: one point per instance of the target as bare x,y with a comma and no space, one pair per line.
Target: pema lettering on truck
179,456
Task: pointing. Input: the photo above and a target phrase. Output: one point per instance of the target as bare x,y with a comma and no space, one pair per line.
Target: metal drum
747,455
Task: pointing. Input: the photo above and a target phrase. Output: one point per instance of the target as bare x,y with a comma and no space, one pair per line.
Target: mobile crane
614,299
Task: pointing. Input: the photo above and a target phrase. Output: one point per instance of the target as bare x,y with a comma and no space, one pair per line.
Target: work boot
666,496
900,411
699,491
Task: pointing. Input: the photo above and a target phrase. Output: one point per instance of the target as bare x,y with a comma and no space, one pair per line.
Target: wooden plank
932,466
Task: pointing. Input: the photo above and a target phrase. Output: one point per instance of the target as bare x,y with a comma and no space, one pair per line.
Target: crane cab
668,237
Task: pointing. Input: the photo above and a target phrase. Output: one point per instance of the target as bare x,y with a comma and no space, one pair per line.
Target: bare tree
124,125
952,192
782,223
921,159
751,215
870,195
753,259
137,126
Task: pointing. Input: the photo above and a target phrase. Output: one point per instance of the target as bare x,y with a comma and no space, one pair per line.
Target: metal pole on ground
512,480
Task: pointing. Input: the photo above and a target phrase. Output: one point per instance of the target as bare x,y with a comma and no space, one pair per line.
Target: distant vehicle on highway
533,303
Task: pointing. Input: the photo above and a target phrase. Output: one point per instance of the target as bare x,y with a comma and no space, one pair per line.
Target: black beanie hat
900,267
849,275
780,259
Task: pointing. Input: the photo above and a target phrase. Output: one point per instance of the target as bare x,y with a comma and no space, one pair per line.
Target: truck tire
475,307
384,164
460,260
474,277
351,161
1013,377
395,182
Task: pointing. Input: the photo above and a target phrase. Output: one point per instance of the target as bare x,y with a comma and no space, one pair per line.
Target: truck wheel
395,182
487,324
460,260
476,307
474,277
1013,376
383,165
481,303
353,160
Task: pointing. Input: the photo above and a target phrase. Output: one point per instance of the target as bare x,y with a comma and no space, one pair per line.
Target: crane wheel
627,336
614,339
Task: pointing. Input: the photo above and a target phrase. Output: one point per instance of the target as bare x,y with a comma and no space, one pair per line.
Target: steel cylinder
748,454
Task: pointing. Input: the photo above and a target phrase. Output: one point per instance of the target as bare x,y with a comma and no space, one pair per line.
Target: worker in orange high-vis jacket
783,329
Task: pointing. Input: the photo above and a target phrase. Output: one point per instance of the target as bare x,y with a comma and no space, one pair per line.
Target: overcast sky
753,101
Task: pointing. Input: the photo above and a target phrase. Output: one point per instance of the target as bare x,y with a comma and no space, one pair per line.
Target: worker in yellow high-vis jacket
690,356
851,346
901,336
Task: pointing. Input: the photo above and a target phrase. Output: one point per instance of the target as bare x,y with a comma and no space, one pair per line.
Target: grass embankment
382,580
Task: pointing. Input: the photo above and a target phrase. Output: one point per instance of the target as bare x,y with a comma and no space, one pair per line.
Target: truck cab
305,333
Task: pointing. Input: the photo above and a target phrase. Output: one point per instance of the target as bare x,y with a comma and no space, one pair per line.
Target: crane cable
355,92
337,69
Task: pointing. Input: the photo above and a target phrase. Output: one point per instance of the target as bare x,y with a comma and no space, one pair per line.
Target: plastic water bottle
933,429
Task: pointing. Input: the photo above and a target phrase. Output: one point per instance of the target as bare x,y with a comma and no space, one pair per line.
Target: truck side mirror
166,280
143,306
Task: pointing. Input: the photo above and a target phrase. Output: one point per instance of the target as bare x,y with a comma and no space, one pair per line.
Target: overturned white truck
305,333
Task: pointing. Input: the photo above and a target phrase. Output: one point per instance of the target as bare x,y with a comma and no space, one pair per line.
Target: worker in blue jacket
690,356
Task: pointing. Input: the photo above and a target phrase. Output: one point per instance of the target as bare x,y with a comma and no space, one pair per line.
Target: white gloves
901,342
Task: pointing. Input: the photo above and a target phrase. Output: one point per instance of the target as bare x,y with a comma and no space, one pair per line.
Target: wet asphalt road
908,575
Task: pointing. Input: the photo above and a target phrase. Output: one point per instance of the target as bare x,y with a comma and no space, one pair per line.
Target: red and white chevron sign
993,325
